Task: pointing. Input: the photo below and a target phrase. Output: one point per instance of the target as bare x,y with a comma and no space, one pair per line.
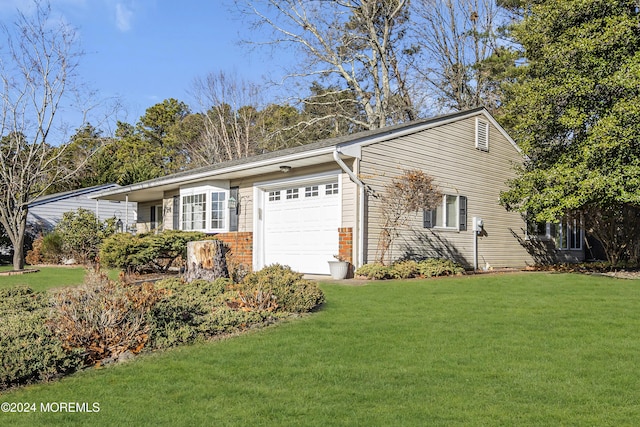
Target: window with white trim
194,212
331,189
292,193
217,209
274,196
311,191
451,214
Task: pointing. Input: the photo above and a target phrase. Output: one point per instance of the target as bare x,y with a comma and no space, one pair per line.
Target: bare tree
354,45
453,39
405,195
36,71
230,110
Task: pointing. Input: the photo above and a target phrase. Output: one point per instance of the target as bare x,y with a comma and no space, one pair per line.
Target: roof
50,198
302,155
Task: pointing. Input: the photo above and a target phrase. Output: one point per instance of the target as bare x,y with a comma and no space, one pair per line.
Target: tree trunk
18,252
206,260
17,240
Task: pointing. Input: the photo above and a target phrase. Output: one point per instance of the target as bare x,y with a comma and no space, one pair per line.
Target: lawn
48,277
512,349
45,278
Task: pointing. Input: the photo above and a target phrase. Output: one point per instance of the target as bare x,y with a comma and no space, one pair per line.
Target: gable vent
482,135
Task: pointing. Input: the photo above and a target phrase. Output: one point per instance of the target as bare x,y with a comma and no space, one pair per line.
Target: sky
145,51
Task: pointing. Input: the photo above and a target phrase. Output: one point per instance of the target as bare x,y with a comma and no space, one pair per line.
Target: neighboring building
46,211
302,205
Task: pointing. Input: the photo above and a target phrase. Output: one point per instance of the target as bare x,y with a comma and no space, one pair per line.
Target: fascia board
216,172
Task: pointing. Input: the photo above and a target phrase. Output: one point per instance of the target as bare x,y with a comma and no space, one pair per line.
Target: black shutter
427,218
235,211
153,217
462,220
176,212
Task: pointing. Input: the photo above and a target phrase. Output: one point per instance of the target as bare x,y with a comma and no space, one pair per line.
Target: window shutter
462,207
482,135
152,218
427,219
233,212
176,212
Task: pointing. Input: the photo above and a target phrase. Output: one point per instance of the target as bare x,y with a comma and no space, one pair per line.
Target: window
217,209
194,212
156,217
292,193
331,189
452,213
538,229
274,196
482,135
311,191
569,235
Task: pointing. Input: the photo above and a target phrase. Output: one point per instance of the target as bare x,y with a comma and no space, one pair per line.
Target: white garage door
301,226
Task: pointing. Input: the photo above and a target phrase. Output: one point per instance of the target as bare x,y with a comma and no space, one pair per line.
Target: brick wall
345,245
241,245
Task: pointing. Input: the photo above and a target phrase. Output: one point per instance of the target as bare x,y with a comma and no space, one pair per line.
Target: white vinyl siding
448,154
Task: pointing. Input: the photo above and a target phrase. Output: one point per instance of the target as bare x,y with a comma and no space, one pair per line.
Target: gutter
359,228
212,173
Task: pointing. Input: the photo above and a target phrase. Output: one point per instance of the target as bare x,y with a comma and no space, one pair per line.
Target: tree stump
206,259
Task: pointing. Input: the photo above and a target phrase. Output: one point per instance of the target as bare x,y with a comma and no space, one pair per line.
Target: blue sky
145,51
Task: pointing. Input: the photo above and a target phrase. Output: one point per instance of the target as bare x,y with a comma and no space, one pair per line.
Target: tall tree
575,111
83,160
452,42
229,107
354,45
37,71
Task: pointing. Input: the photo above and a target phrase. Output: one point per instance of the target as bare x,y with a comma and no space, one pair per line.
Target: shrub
29,352
293,294
375,271
148,251
439,267
52,248
34,256
81,232
102,318
198,310
407,269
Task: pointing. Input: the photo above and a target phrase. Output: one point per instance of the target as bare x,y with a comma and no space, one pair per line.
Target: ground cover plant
407,269
503,349
49,334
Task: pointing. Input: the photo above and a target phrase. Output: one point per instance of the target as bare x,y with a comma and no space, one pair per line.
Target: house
303,205
45,212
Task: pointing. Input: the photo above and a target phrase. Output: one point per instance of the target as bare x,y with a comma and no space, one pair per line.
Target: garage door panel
302,232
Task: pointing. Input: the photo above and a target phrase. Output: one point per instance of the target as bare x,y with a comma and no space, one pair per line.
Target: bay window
194,212
204,207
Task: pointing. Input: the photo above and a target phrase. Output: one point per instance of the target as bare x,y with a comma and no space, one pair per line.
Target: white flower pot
339,269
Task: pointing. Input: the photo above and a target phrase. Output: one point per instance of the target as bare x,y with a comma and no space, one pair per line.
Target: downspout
354,178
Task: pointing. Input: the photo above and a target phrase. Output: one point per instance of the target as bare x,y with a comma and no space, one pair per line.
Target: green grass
48,277
513,349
